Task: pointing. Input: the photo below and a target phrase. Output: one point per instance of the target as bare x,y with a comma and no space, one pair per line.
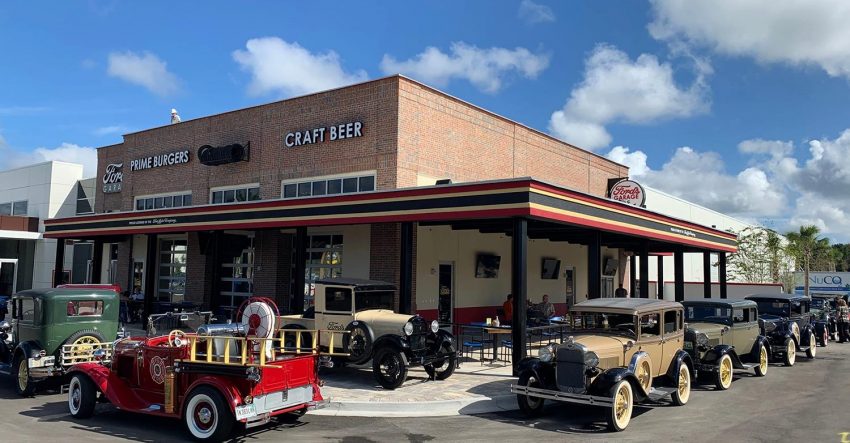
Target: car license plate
245,411
689,345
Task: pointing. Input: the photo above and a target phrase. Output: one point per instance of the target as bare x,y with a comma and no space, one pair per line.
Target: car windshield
819,303
709,314
620,324
780,308
373,300
161,324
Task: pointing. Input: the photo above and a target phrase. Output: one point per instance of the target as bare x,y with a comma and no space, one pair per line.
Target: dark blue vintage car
786,320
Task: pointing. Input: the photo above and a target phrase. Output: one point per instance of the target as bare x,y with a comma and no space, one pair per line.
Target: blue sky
739,105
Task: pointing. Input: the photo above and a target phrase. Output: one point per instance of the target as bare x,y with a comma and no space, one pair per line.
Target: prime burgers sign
157,161
628,191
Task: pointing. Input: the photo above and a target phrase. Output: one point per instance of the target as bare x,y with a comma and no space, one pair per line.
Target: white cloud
531,12
67,152
774,148
487,69
109,130
796,32
635,160
618,89
144,70
289,69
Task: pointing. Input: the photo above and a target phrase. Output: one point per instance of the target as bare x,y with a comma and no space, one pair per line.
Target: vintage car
723,335
824,307
211,376
623,351
393,341
52,329
786,320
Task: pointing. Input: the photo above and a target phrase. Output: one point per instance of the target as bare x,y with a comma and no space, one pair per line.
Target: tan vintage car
621,352
393,341
722,336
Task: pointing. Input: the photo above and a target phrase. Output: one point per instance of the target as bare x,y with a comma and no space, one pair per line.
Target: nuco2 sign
628,191
113,177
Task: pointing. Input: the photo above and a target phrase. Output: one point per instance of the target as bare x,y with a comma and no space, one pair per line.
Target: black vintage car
824,309
786,320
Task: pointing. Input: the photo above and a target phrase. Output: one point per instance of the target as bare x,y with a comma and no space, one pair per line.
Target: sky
737,105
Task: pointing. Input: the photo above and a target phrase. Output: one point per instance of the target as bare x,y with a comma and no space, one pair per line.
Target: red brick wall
272,252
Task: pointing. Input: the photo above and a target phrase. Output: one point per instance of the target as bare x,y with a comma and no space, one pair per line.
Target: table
494,332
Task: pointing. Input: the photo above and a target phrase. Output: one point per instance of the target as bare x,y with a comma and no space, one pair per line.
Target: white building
28,196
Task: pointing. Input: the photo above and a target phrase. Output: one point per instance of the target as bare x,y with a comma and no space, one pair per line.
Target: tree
807,248
760,258
842,257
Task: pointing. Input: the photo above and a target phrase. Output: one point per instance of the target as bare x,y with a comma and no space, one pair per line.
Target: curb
440,408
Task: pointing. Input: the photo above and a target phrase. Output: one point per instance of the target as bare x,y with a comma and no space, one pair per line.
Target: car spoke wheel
644,374
620,413
24,385
813,346
683,386
389,368
761,369
83,347
207,416
443,369
530,406
723,380
790,352
82,396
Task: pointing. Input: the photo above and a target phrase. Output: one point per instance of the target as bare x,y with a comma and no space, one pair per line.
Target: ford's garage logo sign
628,191
113,177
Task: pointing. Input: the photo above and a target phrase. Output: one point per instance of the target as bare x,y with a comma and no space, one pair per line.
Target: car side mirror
5,327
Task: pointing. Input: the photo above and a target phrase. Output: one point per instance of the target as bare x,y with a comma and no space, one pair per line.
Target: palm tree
805,246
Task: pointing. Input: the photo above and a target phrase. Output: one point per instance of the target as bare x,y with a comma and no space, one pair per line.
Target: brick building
387,180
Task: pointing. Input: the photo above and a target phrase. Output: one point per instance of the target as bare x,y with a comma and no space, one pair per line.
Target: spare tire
358,343
86,341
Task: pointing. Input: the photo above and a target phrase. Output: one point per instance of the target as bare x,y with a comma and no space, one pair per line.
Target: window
712,314
649,326
26,310
18,208
374,300
338,299
671,322
172,270
85,200
242,193
324,260
319,186
739,315
797,308
163,201
237,273
85,308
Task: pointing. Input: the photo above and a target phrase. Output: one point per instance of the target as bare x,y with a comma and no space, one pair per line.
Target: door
674,335
151,363
745,329
651,340
445,294
8,276
335,311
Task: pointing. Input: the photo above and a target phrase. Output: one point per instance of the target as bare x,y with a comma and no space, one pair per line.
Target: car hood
605,346
383,316
712,330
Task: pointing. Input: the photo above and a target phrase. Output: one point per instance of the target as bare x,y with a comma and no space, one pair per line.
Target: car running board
5,369
660,393
746,366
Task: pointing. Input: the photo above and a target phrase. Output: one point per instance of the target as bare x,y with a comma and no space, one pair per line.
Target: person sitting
621,292
546,308
508,307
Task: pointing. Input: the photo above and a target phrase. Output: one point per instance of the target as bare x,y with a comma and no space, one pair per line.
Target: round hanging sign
628,191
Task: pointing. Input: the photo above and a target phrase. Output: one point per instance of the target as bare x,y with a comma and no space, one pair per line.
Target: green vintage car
53,329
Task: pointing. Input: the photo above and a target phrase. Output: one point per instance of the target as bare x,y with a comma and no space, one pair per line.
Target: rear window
85,308
338,299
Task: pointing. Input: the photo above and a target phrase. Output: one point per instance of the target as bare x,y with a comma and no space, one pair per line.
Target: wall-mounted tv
487,266
611,265
550,269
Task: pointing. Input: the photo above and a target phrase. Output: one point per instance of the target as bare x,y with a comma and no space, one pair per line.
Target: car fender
713,356
681,358
97,372
442,338
26,348
806,335
544,372
604,382
759,342
230,392
392,341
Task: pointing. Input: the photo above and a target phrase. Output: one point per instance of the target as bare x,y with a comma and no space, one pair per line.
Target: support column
519,288
96,261
405,286
706,274
679,275
59,263
299,268
632,275
644,273
722,273
660,284
151,288
594,266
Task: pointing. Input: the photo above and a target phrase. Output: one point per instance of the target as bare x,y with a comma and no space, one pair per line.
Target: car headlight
435,326
591,360
408,328
546,353
769,326
702,339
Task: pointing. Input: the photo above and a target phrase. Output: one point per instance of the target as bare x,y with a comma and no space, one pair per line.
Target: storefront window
236,194
14,208
324,260
237,274
163,201
329,186
172,270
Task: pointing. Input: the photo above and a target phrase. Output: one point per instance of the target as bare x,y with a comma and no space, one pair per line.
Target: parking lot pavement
809,402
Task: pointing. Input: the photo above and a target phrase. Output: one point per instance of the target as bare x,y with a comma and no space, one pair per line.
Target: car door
745,329
152,361
336,313
674,335
651,340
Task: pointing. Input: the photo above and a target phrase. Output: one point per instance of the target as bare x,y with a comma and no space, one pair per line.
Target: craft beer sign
319,135
156,161
628,191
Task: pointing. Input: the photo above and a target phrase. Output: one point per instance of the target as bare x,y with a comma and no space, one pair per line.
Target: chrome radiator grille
570,369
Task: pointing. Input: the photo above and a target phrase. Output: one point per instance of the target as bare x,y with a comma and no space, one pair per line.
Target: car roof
721,302
60,293
358,283
776,296
627,305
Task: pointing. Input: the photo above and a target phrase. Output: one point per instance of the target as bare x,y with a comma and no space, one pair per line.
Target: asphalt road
809,402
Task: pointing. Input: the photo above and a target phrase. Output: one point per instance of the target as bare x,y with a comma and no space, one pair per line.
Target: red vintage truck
211,376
